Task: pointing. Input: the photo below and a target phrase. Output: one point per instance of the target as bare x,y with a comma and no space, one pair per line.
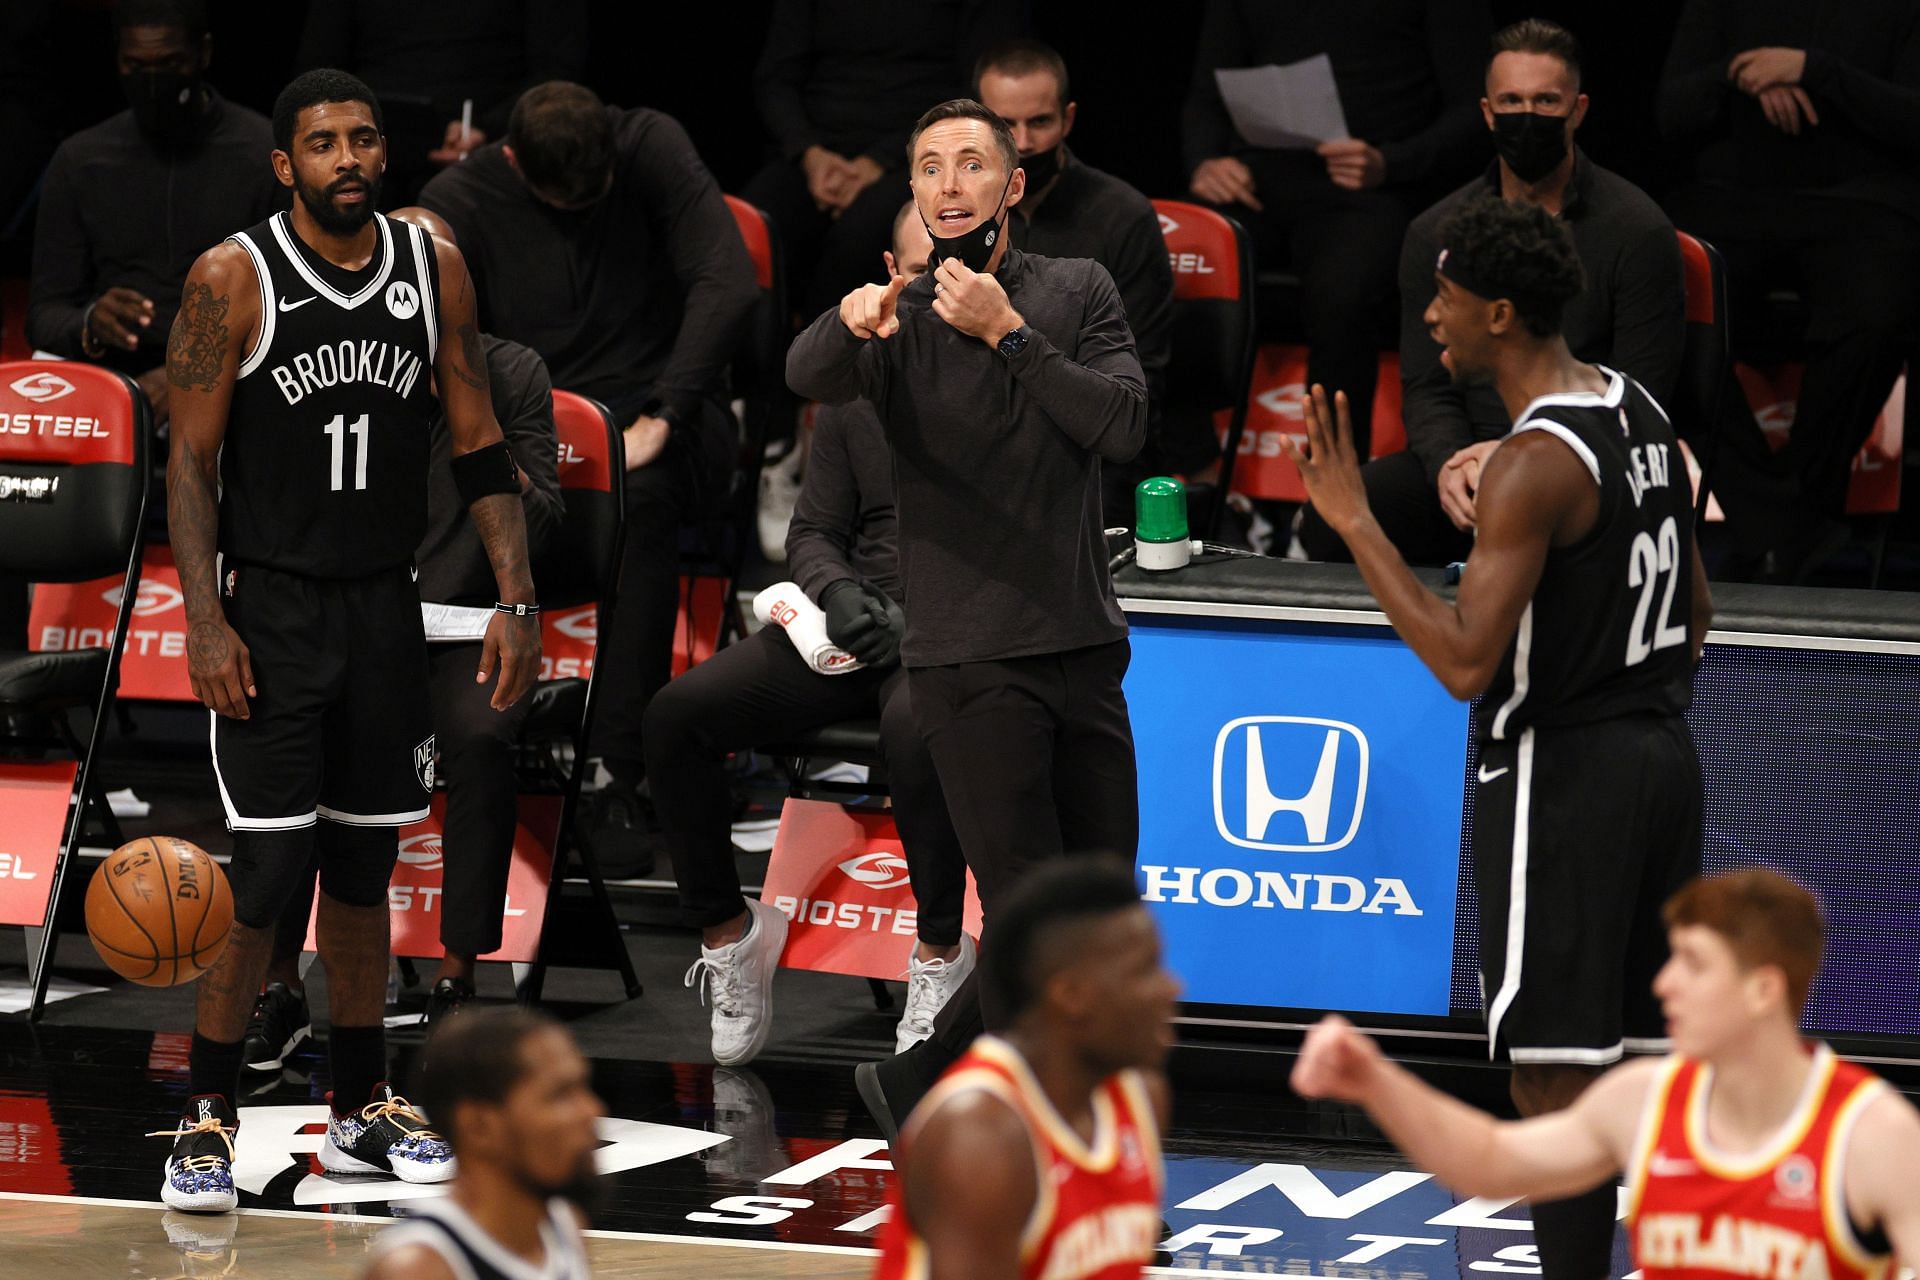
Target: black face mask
1042,168
973,248
169,108
1531,144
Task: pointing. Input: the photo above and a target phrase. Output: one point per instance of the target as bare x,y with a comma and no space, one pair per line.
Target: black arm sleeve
63,282
827,363
826,517
1886,109
709,260
1206,130
780,77
1694,89
1458,32
1098,398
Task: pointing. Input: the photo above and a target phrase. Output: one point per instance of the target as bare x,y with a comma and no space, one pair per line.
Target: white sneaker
930,984
739,984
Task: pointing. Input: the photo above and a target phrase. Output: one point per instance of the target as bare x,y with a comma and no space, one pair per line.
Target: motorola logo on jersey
880,870
403,300
1290,784
153,597
41,387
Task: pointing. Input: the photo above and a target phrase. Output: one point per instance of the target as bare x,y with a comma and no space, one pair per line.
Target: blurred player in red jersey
1748,1152
1037,1155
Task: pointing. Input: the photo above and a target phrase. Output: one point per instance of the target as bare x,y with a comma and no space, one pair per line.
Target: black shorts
1580,835
341,728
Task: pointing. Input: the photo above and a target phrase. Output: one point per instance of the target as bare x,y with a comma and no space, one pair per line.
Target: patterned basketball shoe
199,1176
386,1136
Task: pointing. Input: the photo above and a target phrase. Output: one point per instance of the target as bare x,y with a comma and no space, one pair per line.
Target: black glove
857,621
889,633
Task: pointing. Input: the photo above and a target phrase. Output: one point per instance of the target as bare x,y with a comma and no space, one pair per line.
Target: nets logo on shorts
1291,784
423,763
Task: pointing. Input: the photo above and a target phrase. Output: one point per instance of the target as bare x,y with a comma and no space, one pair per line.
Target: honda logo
881,870
1292,784
41,387
153,597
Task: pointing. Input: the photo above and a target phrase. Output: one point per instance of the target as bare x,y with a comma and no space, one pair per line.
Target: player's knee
266,870
672,721
357,862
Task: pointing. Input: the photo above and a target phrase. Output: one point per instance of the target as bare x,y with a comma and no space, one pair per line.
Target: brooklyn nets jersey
448,1230
324,469
1606,633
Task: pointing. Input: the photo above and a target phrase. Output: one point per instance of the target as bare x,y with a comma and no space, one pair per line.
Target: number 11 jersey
324,468
1606,633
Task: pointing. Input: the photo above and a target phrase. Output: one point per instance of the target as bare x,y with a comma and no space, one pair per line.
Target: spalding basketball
159,911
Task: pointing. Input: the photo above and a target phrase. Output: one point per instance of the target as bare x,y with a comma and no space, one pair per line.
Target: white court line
647,1236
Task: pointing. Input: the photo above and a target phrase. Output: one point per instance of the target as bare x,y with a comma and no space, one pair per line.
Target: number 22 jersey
324,468
1606,633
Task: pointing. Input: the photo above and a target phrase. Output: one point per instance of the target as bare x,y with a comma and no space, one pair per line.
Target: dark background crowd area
1130,63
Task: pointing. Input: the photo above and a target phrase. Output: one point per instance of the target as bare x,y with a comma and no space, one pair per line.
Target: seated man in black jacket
474,741
841,549
1073,210
1805,124
1406,71
598,238
130,203
1631,316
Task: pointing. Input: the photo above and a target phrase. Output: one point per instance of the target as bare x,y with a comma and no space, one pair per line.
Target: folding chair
73,492
579,566
1213,325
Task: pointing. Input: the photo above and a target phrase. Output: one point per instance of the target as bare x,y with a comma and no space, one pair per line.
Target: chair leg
1883,528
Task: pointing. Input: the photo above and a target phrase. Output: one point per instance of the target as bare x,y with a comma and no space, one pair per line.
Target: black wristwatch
1015,342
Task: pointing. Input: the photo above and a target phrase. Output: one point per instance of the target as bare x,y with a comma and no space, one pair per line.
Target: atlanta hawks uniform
1696,1212
323,499
1588,812
1097,1215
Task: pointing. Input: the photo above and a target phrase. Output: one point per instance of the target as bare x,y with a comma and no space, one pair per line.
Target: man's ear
1501,317
282,167
512,159
1018,189
1579,111
1066,119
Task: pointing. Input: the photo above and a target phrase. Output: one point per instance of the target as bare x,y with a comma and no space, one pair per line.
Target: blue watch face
1014,343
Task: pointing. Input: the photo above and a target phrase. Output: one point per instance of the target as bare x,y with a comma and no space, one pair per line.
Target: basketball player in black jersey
296,492
517,1100
1580,615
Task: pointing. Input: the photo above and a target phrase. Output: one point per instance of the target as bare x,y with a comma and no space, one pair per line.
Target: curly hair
311,88
1519,252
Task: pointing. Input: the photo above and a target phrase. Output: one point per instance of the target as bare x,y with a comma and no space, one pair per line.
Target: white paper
447,622
1296,106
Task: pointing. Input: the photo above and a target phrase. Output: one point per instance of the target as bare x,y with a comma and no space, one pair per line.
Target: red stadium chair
576,573
1706,358
1213,325
73,493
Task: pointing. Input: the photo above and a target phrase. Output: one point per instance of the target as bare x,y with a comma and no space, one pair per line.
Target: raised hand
1335,1061
973,302
868,312
1329,464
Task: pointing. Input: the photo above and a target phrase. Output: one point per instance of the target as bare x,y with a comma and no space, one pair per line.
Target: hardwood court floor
90,1241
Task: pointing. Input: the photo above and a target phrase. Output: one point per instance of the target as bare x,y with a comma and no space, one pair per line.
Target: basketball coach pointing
1003,380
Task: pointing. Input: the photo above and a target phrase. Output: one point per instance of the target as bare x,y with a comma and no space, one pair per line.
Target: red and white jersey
1097,1215
1779,1213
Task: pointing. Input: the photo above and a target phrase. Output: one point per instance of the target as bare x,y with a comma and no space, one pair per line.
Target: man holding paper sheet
1325,127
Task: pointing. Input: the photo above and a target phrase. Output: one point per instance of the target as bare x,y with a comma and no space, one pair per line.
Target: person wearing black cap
1581,614
1004,381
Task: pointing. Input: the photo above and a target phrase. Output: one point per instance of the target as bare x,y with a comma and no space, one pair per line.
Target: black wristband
517,610
485,472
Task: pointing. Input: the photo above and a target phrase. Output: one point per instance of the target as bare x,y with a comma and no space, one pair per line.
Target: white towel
786,606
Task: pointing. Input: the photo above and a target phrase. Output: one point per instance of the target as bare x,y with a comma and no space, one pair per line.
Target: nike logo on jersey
1489,777
294,306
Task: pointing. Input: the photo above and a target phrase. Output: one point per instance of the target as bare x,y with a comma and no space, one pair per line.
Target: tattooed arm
461,367
219,311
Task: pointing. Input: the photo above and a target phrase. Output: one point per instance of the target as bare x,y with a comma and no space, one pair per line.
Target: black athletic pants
1036,759
1857,266
829,255
1406,504
635,656
758,690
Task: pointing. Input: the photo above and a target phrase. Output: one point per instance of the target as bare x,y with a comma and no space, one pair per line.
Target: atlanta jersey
324,468
1606,633
1696,1212
1097,1214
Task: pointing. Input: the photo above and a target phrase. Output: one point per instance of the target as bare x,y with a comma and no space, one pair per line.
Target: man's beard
585,1189
333,219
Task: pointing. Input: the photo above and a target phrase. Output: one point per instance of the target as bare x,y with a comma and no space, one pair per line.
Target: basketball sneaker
930,984
279,1023
448,997
199,1177
739,984
386,1136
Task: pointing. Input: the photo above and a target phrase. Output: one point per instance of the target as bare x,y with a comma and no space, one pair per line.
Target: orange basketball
159,911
